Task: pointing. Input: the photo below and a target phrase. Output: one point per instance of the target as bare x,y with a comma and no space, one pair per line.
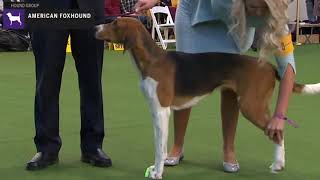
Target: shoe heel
181,158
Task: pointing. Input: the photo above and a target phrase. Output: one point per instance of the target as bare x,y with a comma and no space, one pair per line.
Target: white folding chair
162,27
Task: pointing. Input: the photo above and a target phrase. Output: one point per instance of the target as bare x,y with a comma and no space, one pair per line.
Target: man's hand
142,5
256,7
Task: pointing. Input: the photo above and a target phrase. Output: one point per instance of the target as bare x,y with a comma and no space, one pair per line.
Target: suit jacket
96,5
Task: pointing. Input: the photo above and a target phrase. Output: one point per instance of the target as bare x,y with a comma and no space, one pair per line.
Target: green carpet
129,135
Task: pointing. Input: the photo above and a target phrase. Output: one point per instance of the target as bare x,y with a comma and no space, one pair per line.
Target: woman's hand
256,7
275,129
142,5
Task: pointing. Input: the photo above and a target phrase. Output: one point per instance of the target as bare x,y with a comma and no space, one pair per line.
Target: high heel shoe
173,161
231,167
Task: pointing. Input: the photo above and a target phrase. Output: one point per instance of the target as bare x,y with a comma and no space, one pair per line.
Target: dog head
9,14
123,30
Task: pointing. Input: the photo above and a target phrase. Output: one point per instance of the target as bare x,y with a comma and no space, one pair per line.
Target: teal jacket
210,10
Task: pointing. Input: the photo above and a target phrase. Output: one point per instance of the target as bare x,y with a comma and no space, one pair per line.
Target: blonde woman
228,26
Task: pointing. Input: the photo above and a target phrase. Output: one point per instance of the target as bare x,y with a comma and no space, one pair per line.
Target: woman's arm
286,67
276,126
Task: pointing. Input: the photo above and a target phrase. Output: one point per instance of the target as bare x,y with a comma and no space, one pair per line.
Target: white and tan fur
175,80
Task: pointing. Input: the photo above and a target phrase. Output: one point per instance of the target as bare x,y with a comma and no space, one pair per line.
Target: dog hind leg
255,112
259,114
279,158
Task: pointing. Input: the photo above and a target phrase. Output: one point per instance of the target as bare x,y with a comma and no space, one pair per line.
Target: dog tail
307,89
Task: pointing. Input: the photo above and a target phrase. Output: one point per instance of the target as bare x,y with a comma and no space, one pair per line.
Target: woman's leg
181,119
229,117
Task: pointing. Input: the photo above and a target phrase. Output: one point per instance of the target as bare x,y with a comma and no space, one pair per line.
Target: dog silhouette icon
13,18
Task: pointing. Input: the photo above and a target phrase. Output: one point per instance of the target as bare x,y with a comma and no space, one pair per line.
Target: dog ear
129,41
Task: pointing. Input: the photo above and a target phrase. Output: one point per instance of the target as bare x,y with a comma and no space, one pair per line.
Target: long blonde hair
273,31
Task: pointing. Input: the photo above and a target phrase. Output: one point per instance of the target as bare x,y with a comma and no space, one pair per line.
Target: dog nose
99,28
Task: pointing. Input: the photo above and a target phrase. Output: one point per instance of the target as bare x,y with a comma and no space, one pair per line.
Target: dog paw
151,173
276,167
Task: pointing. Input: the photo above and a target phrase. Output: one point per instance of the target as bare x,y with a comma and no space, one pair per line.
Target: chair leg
153,32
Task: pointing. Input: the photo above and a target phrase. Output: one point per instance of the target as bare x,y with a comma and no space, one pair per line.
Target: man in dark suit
49,48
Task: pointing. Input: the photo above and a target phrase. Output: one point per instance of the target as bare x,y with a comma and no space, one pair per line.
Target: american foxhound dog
176,80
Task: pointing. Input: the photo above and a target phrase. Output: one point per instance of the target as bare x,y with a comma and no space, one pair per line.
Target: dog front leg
160,126
160,116
279,158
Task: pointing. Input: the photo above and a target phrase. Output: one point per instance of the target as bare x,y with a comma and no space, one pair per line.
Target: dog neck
145,52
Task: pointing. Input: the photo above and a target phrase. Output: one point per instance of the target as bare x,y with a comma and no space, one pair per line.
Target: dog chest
186,102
